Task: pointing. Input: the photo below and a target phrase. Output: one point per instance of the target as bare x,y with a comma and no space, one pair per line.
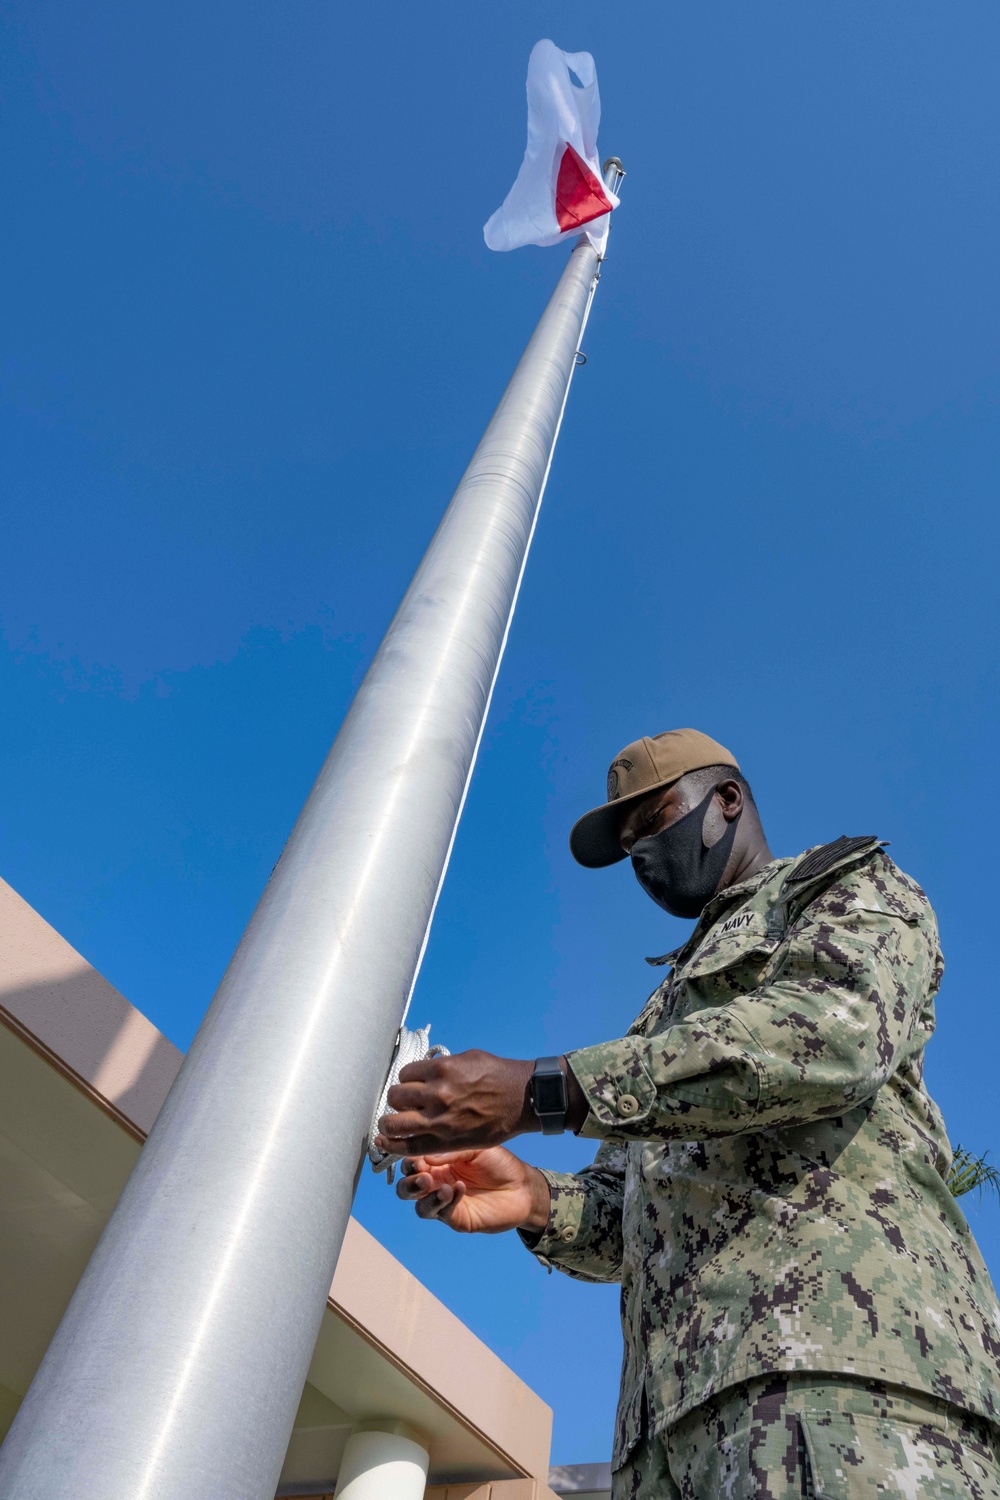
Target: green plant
972,1173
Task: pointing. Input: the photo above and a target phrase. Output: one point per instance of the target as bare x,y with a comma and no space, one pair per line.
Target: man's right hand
476,1192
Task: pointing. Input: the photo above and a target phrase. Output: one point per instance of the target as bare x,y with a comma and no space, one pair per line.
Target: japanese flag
559,188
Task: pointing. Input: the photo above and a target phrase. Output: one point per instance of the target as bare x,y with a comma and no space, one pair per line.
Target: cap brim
594,838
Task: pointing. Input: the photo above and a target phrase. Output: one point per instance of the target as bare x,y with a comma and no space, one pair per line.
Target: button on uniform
627,1105
566,1235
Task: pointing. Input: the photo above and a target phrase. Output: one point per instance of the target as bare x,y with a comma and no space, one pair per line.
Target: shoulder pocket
870,908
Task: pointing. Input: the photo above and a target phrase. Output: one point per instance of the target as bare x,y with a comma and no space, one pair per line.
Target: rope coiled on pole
411,1047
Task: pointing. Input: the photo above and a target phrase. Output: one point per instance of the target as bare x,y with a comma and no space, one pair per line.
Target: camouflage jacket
770,1189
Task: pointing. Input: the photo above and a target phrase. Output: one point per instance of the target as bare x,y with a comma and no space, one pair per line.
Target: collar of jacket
715,907
786,868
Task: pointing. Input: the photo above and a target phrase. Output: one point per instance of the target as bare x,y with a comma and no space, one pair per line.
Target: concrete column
383,1460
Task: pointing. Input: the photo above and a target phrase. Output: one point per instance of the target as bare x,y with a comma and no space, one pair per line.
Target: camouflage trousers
795,1437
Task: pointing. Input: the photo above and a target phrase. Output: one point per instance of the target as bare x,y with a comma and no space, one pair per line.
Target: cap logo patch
613,789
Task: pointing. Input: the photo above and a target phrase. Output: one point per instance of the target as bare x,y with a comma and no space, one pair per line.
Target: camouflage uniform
771,1185
788,1436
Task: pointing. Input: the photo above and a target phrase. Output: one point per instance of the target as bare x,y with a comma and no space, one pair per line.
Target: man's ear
730,794
725,806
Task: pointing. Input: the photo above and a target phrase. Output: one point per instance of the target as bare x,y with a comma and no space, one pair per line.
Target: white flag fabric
559,189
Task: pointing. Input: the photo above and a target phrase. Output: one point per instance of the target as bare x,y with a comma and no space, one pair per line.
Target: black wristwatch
549,1095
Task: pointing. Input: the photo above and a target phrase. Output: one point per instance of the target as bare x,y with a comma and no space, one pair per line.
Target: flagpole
178,1366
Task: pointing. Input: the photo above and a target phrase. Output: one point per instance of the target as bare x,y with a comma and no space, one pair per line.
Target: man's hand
476,1192
471,1099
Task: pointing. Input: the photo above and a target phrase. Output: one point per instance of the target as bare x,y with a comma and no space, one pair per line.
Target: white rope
411,1047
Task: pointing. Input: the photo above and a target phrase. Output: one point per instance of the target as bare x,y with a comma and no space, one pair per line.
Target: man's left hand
450,1103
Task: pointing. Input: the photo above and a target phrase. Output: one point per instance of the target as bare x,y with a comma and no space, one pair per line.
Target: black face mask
675,868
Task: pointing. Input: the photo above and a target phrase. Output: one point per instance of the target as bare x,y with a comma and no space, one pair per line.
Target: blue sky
251,335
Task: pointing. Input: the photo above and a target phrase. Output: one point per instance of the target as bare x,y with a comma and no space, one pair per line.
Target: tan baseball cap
654,761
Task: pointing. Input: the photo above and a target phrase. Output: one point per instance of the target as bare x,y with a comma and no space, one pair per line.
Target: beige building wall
82,1078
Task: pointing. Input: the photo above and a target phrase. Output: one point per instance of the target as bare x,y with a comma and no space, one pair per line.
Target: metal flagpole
178,1366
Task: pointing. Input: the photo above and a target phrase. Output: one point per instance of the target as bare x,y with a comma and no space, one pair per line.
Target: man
804,1309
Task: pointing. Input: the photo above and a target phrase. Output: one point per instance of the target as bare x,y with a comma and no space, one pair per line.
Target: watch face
549,1093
